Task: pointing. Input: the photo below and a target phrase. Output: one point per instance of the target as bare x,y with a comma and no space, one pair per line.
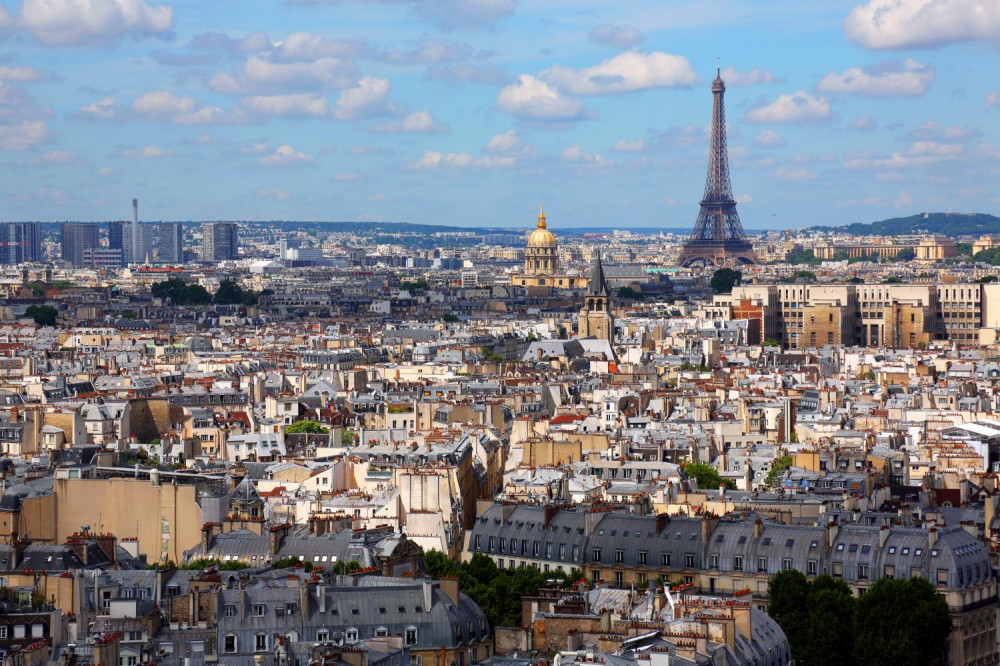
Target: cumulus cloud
427,52
510,143
305,46
447,14
22,135
992,100
100,110
532,99
626,72
179,109
88,22
255,148
296,105
903,199
419,122
617,36
54,157
468,73
769,139
904,24
145,152
20,73
368,99
273,193
260,74
735,78
432,159
625,146
933,131
286,156
908,79
864,124
934,148
793,174
798,107
577,154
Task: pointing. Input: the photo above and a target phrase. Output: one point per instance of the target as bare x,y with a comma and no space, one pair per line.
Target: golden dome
541,237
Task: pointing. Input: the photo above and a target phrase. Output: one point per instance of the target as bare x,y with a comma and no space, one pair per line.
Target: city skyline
467,112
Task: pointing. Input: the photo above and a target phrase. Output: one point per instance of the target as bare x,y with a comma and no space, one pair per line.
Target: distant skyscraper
137,250
116,234
77,237
219,241
20,242
170,242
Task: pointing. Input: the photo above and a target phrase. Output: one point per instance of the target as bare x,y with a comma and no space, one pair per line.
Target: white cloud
735,78
864,124
743,198
577,154
932,131
903,199
273,192
179,109
769,139
992,100
617,36
902,24
294,105
54,157
531,99
22,135
307,46
427,52
908,79
626,72
370,98
21,74
888,177
793,174
100,110
447,14
146,152
260,74
625,146
509,143
432,159
88,22
798,107
934,148
286,156
418,122
255,148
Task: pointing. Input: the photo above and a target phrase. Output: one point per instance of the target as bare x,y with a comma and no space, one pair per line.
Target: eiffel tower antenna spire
717,238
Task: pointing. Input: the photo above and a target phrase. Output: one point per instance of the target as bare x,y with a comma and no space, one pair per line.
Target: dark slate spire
597,286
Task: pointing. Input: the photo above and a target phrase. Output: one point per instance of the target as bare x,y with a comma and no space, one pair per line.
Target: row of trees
497,591
894,623
181,293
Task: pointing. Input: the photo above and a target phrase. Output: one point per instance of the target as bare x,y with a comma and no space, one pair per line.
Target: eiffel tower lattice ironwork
718,238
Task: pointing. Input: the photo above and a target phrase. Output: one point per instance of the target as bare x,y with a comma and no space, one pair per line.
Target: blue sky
471,111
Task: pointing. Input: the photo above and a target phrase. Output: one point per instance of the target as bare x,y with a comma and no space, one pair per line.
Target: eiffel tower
717,238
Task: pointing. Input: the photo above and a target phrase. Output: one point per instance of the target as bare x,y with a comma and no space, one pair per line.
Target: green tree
181,293
778,470
230,293
724,279
343,567
907,254
963,249
816,616
900,623
414,286
986,279
347,437
805,276
856,280
801,257
892,280
308,427
771,342
44,315
707,476
840,255
628,293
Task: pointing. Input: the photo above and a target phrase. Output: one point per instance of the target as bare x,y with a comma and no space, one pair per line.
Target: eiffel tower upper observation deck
718,238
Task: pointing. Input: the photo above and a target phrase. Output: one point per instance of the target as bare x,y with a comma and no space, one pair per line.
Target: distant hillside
944,224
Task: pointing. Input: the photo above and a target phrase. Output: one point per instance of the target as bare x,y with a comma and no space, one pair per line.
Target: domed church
541,262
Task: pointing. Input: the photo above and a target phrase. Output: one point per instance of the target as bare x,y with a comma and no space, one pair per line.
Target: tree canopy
230,293
44,315
707,476
724,279
497,591
181,293
308,427
778,470
894,623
